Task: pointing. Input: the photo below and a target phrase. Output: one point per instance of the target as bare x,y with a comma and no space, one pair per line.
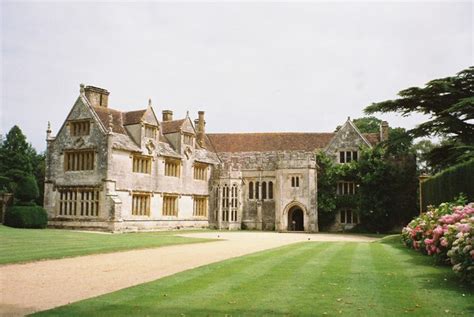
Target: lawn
305,279
21,245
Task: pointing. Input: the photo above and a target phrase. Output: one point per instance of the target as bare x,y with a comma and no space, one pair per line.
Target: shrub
27,189
26,217
448,184
446,233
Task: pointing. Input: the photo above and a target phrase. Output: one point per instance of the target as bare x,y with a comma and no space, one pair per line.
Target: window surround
347,156
141,164
141,203
150,131
188,139
170,205
260,190
200,171
79,202
79,160
200,206
172,167
344,188
295,181
348,216
81,127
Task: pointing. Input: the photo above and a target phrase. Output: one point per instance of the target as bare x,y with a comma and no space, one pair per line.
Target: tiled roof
171,126
262,142
117,120
373,138
278,141
133,117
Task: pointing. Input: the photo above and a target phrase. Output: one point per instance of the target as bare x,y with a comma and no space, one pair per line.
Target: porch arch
297,212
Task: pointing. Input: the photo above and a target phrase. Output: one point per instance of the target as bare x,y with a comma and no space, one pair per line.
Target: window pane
342,157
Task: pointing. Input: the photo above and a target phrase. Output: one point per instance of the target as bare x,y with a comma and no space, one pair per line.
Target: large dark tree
19,160
450,104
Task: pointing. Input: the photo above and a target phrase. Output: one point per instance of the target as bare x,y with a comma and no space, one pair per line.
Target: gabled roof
351,125
117,119
172,126
373,138
263,142
133,117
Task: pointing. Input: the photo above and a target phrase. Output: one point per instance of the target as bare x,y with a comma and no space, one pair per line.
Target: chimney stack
383,131
200,128
98,97
167,115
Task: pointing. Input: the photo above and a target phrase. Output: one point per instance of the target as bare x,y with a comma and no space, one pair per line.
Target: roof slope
117,119
278,141
171,126
133,117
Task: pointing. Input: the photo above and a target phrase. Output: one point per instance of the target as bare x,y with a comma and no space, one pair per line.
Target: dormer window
348,156
79,128
188,139
150,131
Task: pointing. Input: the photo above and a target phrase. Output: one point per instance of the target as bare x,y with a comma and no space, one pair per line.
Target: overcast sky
253,67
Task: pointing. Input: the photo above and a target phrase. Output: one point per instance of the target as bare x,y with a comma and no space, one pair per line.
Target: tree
450,104
421,149
19,161
15,156
327,179
367,124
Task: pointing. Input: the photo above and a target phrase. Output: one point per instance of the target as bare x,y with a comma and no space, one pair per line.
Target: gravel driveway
36,286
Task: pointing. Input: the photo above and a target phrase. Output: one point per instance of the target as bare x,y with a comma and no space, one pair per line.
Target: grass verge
22,245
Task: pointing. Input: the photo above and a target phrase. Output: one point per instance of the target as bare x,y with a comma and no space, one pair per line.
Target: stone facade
123,171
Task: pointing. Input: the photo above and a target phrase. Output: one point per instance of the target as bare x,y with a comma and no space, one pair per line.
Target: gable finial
149,102
187,113
348,118
48,131
81,89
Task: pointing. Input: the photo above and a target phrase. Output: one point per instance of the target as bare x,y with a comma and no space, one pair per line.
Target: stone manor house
123,171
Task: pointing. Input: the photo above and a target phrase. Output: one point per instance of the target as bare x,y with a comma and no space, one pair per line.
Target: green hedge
448,184
26,217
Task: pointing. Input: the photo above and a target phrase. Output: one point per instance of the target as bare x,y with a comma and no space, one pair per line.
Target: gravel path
36,286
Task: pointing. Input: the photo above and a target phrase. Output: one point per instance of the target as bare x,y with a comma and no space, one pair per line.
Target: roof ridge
267,133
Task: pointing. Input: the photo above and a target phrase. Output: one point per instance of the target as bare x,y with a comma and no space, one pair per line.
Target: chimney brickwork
167,115
98,97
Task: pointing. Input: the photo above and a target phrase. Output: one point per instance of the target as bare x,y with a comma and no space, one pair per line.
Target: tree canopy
450,104
19,161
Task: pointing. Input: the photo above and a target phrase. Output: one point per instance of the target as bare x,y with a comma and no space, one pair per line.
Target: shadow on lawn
443,278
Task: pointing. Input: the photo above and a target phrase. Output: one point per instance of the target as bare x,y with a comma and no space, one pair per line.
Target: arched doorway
295,219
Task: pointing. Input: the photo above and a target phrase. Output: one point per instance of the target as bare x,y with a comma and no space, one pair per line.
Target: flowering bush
446,233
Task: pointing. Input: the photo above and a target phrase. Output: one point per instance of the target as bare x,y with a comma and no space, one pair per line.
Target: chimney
167,115
383,131
200,128
98,97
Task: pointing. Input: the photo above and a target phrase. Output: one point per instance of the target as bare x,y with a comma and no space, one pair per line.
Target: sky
252,66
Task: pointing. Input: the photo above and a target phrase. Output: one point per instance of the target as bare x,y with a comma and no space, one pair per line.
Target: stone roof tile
277,141
171,126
